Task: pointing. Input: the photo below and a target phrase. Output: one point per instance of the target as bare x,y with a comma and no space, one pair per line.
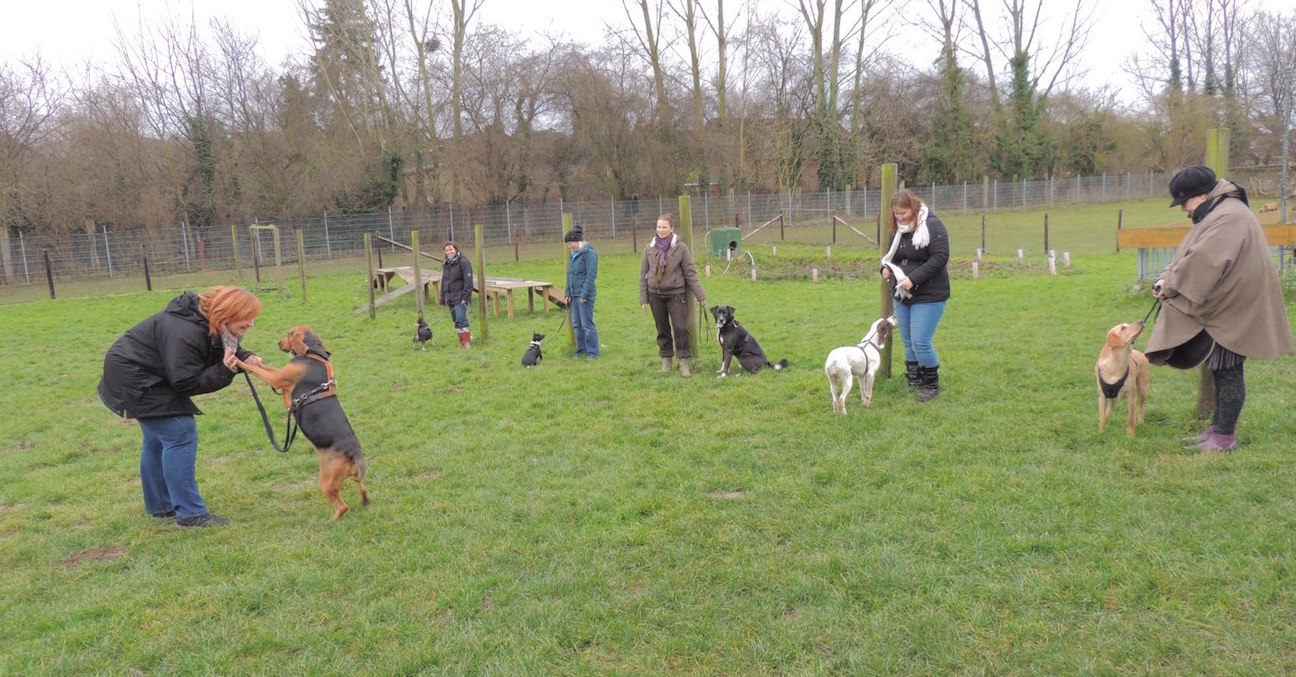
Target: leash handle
289,434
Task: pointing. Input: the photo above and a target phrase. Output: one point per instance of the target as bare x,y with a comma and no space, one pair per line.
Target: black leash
1156,308
290,433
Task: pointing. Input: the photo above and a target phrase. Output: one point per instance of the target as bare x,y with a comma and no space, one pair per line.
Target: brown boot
666,364
684,367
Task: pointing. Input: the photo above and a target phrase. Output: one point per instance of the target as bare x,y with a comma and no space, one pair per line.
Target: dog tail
781,364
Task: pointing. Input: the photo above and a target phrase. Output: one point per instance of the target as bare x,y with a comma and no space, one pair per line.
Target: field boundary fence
110,253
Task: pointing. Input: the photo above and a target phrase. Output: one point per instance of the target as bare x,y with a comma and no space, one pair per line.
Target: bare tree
648,37
1271,60
1039,53
29,101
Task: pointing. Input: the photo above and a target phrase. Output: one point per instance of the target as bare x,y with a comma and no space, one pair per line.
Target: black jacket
927,267
159,364
456,281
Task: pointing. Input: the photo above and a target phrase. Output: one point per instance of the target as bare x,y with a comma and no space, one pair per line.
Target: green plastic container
725,239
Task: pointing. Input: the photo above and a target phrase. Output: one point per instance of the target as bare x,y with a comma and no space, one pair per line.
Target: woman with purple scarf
665,276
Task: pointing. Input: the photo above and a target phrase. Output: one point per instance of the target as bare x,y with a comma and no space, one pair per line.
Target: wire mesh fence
107,253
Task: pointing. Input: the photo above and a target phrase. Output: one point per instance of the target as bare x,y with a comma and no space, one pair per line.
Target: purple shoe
1219,442
1198,439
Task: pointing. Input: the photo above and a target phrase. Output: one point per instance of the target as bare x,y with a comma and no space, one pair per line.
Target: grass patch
602,518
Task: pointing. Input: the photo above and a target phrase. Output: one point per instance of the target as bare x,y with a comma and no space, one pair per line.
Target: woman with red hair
151,374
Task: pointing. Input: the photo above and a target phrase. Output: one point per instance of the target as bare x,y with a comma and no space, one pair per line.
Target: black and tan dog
736,341
310,393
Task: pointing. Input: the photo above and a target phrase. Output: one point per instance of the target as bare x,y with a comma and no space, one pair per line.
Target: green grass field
597,518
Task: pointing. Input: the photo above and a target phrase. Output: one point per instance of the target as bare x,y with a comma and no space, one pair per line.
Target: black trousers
670,314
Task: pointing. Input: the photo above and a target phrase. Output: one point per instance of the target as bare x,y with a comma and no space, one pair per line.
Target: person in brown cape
1222,288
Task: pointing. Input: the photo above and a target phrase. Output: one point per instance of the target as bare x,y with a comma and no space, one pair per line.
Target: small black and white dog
736,341
422,334
533,354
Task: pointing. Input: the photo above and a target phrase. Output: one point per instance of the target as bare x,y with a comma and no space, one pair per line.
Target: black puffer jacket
927,267
159,364
456,281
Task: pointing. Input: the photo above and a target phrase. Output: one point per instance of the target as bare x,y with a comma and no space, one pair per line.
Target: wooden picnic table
495,287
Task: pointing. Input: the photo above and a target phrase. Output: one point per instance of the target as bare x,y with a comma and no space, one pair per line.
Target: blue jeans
583,328
459,315
167,466
917,325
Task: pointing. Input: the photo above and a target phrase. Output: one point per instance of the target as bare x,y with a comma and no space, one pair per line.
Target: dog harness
326,389
1112,390
860,347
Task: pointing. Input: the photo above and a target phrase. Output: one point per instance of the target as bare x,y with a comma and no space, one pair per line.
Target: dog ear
1114,339
296,341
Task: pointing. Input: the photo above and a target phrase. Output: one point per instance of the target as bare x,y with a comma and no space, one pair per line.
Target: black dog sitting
533,354
736,341
422,334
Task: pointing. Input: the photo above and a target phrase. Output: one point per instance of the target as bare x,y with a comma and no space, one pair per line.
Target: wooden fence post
686,234
886,305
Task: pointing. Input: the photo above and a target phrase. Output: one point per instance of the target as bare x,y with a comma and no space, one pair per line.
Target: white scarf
921,238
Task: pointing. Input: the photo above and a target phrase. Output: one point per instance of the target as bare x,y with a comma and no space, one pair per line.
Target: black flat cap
1191,182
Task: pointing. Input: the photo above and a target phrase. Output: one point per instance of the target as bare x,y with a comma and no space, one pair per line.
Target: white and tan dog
860,360
1122,372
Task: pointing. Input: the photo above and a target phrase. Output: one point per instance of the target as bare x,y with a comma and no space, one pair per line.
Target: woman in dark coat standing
918,267
152,373
456,290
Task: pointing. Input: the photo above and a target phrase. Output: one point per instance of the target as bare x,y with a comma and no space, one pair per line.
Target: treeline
410,105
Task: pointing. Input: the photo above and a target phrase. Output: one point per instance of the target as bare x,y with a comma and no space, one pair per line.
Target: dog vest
1112,390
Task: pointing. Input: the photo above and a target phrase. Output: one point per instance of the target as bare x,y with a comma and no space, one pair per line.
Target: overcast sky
71,33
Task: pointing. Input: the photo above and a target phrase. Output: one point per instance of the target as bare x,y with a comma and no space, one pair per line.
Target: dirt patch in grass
94,555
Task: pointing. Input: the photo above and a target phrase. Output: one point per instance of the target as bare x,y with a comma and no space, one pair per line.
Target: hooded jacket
1222,279
157,366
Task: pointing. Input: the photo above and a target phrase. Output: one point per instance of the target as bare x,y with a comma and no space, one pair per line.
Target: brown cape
1223,280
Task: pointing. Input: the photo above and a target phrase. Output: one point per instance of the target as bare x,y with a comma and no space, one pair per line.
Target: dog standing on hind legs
861,360
1122,372
310,394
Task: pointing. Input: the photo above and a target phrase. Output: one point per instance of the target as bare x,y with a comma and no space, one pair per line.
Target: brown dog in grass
310,393
1122,372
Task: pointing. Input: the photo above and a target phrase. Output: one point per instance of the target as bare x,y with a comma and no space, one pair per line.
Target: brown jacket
678,274
1222,279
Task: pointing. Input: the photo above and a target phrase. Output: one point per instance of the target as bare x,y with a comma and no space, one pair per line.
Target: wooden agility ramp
388,297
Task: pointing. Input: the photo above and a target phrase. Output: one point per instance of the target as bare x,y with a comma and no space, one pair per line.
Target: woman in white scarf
917,265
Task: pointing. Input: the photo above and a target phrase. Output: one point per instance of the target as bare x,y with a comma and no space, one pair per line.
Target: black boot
929,383
911,374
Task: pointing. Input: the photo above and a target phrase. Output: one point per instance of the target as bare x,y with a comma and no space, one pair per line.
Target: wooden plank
388,297
1169,237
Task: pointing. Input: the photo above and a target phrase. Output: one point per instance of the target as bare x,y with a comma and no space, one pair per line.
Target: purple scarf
663,246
